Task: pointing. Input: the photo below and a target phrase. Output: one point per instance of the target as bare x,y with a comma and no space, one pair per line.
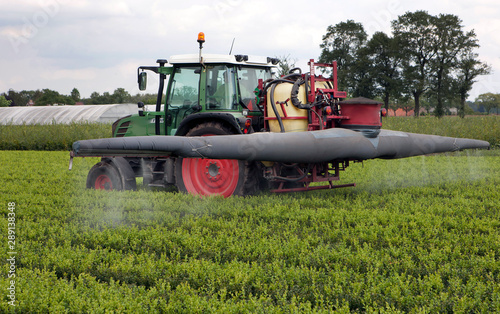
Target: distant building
400,113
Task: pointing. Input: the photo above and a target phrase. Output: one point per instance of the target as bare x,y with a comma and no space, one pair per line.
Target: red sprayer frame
324,114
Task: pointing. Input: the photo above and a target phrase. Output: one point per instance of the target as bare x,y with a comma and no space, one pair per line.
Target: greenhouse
65,114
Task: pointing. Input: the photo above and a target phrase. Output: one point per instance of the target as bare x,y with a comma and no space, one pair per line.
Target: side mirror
142,80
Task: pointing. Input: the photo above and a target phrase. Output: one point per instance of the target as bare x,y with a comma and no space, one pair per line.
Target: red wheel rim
210,176
103,182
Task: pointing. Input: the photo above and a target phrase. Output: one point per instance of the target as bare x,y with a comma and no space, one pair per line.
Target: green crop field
416,235
486,128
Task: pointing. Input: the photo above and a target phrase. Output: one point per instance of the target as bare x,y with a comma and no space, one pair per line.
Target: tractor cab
220,85
217,87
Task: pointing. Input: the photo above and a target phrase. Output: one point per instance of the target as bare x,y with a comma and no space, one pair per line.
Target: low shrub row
50,136
62,136
486,128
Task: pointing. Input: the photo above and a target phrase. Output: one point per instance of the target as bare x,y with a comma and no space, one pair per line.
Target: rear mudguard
297,147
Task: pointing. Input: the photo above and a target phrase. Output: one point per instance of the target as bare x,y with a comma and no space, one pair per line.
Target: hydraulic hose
297,80
276,113
272,84
295,95
293,179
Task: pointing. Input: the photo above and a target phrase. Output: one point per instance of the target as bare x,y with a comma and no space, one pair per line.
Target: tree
451,40
148,99
439,58
15,98
94,98
489,101
120,96
362,75
467,70
285,64
4,102
416,32
98,99
50,97
342,43
385,60
23,97
106,98
75,95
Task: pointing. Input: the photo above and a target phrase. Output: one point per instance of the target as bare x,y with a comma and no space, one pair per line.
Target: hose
295,95
280,122
272,84
297,80
295,69
320,119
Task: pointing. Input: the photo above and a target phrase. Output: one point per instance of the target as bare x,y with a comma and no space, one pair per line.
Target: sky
97,45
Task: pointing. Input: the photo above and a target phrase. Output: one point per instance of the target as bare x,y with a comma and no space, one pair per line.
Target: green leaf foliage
486,128
4,102
416,235
50,136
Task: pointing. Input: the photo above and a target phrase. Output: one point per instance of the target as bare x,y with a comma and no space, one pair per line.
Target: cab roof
217,58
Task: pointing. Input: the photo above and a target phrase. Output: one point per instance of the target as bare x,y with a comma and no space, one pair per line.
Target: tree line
427,58
47,97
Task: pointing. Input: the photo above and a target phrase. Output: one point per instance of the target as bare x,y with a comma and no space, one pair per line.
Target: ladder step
156,185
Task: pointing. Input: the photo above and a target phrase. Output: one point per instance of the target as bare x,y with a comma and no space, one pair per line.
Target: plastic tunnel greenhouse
65,114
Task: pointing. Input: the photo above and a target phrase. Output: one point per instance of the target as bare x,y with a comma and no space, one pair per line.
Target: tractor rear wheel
111,174
226,177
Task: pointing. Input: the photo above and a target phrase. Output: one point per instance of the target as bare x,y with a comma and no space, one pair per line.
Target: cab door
183,96
220,92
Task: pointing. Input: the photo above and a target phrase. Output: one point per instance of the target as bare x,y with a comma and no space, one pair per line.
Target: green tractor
205,95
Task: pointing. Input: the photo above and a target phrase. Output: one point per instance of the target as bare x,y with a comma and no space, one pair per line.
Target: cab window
221,88
248,79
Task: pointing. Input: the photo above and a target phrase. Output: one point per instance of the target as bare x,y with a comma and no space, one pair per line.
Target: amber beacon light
201,38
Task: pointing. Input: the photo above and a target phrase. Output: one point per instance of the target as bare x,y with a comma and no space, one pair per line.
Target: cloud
96,45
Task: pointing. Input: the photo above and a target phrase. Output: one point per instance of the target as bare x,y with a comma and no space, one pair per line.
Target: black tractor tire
226,177
111,174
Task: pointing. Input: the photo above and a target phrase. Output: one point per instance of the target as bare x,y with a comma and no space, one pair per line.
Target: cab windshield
185,85
224,87
183,96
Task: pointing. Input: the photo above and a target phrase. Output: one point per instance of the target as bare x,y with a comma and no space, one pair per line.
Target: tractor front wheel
226,177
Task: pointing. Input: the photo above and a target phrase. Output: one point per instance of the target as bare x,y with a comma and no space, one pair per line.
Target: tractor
262,125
